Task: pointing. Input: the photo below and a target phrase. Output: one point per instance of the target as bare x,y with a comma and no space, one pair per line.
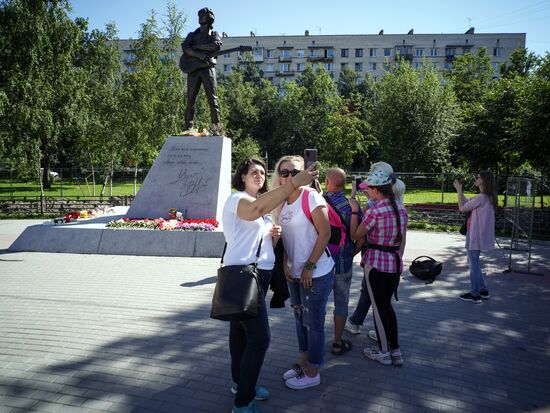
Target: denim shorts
342,283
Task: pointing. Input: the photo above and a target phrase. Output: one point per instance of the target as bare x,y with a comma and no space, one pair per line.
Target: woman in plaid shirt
385,228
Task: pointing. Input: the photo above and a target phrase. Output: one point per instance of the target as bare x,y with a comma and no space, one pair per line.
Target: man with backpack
335,183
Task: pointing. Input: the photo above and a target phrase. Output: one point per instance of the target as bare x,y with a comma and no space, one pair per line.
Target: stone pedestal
191,174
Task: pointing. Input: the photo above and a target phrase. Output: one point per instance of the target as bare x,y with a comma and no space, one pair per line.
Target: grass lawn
82,189
66,189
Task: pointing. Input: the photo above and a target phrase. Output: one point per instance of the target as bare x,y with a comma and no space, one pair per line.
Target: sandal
339,349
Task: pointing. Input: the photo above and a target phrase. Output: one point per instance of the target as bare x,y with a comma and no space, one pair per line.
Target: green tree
533,122
38,43
99,141
413,119
151,93
521,63
471,76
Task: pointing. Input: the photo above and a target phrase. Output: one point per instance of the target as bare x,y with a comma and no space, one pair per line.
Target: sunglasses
285,172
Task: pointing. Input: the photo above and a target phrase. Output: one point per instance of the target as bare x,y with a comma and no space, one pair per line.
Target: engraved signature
192,183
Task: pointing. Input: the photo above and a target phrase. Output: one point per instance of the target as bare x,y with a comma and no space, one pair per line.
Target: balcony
320,59
407,56
285,58
285,73
449,57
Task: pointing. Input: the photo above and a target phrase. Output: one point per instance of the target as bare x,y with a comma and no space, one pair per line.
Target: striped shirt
381,230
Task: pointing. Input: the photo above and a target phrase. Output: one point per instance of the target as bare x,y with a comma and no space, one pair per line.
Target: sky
285,17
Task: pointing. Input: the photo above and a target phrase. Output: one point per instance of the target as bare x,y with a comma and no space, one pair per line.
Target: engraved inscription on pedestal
191,174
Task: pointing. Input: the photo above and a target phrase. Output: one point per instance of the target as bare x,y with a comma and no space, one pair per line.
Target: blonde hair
276,180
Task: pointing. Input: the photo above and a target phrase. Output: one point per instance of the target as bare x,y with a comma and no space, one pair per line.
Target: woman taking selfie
480,230
309,270
246,223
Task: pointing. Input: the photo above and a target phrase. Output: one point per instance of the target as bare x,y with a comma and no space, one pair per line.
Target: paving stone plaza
106,333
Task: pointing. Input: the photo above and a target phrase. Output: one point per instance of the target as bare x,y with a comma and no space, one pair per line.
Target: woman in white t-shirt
309,269
245,222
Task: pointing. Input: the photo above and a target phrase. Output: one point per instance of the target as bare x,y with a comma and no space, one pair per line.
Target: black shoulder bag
237,292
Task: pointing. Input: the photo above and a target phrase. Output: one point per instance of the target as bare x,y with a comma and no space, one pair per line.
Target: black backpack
426,269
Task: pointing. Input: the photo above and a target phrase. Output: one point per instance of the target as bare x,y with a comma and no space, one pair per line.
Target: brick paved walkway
100,333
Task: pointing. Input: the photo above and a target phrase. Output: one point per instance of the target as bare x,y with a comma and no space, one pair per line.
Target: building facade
285,57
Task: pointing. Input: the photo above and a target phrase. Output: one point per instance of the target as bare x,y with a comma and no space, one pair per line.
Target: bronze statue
199,62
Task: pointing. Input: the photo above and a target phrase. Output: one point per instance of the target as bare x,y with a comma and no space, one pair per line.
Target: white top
299,235
243,237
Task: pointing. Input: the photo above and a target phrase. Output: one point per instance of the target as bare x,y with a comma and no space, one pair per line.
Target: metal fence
430,197
422,188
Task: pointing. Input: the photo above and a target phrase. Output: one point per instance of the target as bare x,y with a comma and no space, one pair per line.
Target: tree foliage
64,101
413,119
38,43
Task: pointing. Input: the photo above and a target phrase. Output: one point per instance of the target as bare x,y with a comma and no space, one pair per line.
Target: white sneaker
303,381
352,328
295,370
376,355
372,335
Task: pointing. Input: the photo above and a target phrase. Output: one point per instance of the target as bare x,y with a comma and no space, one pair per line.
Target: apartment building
285,57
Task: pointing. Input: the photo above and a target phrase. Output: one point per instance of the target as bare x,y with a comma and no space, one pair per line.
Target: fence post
442,188
61,181
11,183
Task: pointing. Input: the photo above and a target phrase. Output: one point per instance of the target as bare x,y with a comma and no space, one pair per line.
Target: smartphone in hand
310,157
358,181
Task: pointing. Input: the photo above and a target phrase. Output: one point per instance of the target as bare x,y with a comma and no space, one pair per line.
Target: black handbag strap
257,252
423,256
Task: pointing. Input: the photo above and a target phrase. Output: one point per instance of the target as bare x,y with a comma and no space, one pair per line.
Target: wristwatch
310,265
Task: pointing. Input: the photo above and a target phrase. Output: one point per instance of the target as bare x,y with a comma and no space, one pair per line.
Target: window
435,65
300,53
496,68
313,53
130,56
329,67
450,51
300,67
372,52
433,52
358,67
344,53
387,52
419,52
269,67
226,55
314,66
329,53
226,68
285,53
358,52
284,67
343,66
418,65
372,67
496,51
270,53
448,65
258,53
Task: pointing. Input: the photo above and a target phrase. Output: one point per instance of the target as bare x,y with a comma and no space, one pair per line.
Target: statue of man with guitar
198,60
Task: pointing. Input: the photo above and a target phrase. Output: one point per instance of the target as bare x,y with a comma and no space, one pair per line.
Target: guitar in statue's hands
188,63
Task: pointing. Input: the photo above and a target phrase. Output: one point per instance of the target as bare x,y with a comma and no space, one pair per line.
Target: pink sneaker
303,381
